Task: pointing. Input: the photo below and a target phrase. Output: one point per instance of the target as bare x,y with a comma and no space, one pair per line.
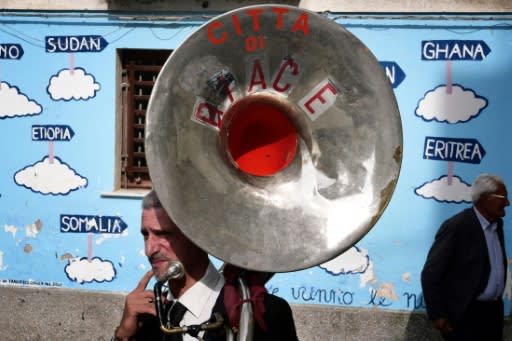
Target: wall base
64,314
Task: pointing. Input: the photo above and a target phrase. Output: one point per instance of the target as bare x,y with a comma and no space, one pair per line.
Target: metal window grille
140,69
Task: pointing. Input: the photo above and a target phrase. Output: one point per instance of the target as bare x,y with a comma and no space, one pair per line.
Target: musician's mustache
158,257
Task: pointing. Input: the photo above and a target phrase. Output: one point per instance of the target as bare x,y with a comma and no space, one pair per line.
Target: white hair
484,183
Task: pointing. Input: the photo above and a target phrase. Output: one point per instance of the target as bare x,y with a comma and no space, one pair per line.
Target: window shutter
140,71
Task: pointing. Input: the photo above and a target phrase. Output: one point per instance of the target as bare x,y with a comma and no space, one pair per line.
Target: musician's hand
139,301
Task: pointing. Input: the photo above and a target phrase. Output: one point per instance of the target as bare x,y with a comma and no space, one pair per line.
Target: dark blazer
278,317
457,267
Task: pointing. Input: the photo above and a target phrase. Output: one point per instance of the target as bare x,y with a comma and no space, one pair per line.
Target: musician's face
164,242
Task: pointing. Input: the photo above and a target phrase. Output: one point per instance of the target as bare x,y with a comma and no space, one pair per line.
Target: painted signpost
52,133
453,150
454,50
89,43
11,51
78,223
394,73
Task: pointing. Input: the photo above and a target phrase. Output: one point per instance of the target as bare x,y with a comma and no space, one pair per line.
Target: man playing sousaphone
197,294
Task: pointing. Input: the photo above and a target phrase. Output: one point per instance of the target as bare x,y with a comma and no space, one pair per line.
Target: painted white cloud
84,271
352,261
50,178
456,192
77,85
458,106
14,103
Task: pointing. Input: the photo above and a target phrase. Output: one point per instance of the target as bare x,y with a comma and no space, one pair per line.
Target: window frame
133,90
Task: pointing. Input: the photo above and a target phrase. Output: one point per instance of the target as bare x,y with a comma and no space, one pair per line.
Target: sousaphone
273,138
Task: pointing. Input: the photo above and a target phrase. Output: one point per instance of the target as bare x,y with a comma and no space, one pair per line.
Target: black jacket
457,267
278,318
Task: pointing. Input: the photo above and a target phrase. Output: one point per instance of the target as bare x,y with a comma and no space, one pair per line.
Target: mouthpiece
175,271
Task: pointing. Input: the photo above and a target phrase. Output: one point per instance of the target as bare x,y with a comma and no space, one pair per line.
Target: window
137,74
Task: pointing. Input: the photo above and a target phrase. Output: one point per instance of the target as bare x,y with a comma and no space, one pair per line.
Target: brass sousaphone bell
273,138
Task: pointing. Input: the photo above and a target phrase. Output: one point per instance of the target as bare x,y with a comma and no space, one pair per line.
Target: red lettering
211,37
225,86
280,11
255,13
208,114
251,43
295,71
301,24
218,35
318,96
257,77
236,23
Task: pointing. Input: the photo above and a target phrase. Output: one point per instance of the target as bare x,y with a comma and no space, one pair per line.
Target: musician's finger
144,281
150,304
149,296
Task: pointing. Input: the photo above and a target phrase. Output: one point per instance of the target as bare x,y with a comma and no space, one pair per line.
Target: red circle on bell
261,139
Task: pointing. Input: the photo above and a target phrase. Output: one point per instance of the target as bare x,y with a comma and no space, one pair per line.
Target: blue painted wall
461,99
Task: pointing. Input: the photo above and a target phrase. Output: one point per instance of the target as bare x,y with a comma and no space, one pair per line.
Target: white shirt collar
195,297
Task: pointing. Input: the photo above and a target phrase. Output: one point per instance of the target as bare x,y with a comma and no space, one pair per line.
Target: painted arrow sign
394,73
94,43
453,149
11,51
52,133
76,223
454,50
